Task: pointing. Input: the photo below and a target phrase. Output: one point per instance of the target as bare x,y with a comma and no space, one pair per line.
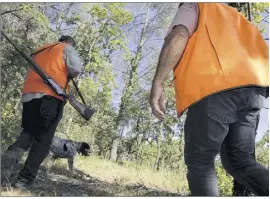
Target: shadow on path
61,182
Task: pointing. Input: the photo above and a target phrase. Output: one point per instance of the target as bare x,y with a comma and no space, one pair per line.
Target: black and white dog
62,148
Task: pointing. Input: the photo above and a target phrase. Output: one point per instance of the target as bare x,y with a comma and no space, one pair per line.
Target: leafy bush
225,181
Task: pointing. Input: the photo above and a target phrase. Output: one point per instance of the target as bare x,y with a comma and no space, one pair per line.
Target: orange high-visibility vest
226,51
51,61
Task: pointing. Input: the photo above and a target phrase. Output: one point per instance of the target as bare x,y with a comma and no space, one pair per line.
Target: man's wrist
158,82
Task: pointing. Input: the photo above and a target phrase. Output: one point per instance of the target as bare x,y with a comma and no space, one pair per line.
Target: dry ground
97,177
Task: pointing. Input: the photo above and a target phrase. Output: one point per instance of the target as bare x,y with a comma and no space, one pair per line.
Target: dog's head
84,148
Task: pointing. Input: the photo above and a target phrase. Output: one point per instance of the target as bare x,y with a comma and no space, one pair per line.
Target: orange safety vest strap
42,49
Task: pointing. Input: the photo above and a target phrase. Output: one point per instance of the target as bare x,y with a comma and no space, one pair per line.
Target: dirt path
61,182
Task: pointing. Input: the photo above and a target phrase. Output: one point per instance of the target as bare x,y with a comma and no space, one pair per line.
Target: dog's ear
84,149
85,145
65,147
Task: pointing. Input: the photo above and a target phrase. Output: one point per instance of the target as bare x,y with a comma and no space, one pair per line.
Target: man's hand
158,101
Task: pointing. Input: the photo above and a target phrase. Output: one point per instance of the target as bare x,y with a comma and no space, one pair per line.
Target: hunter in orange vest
42,109
221,75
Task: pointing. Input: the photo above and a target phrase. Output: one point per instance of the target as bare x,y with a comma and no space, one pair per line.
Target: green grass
105,178
130,173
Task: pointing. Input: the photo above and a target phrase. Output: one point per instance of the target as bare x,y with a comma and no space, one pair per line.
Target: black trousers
40,118
225,123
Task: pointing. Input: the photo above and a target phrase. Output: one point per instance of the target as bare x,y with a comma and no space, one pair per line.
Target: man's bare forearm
171,53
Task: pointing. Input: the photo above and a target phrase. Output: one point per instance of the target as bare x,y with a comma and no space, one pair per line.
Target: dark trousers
40,118
225,122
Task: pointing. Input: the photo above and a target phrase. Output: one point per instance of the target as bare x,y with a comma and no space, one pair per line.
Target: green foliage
257,9
262,150
225,181
119,46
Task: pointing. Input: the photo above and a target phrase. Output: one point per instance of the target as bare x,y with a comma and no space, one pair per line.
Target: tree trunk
115,143
158,157
128,91
113,156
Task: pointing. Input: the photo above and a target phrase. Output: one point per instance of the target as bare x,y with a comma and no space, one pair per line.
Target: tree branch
17,16
10,11
265,20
